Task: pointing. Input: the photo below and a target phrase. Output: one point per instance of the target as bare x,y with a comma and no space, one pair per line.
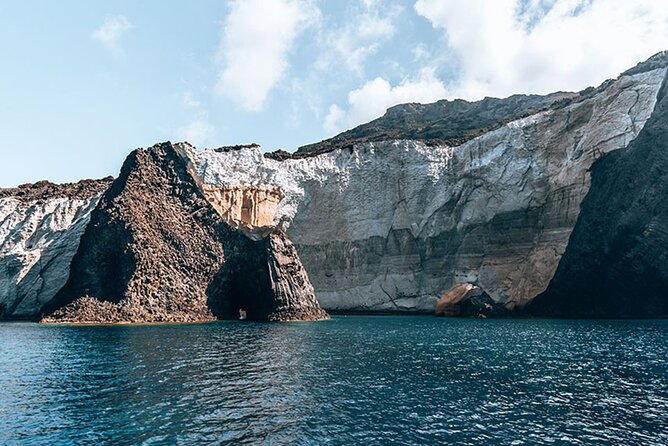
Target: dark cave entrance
242,291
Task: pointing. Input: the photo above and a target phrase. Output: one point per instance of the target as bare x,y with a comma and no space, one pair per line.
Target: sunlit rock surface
386,217
390,226
245,206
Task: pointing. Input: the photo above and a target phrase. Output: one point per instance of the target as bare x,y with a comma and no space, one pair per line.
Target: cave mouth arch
243,287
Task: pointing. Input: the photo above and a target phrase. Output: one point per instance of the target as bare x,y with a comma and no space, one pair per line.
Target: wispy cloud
189,101
536,46
257,38
350,46
110,32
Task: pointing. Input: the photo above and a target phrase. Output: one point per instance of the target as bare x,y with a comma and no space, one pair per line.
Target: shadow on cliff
103,264
616,261
241,288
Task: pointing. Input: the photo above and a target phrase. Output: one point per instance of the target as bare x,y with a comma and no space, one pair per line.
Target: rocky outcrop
40,228
616,262
391,225
156,250
468,300
46,190
265,281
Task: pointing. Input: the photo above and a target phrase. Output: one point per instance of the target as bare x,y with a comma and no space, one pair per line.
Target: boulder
468,300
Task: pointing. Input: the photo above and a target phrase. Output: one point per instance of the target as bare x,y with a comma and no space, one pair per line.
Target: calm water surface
352,380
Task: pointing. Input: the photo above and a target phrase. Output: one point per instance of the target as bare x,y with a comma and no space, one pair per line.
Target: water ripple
352,380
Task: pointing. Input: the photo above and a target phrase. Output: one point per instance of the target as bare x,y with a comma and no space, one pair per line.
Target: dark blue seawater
352,380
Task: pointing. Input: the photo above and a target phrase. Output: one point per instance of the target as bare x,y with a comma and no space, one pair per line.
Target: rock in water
156,250
616,262
293,292
468,300
267,281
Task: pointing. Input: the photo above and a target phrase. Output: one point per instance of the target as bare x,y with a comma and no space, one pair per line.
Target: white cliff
391,225
38,238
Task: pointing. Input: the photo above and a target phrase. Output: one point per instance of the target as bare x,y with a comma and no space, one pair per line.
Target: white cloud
375,96
189,101
421,52
257,38
110,32
510,46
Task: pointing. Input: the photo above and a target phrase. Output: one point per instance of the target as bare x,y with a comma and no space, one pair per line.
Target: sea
352,380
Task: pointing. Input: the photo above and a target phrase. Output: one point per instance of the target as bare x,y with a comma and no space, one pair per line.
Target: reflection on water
352,380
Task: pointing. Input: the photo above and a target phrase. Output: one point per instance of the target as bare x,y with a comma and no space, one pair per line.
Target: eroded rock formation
245,206
468,300
385,217
40,228
391,225
156,250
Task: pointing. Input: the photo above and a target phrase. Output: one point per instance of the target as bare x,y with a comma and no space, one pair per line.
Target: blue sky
83,83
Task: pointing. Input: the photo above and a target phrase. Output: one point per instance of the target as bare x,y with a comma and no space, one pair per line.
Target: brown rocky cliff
157,251
44,190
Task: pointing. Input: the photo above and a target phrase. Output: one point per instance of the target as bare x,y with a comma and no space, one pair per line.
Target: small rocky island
542,205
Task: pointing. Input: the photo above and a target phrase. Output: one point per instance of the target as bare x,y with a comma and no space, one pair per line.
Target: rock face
616,262
245,206
156,250
266,281
468,300
390,226
40,228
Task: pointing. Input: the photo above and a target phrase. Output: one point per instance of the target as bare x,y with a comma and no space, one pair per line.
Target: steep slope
156,250
616,262
40,228
392,225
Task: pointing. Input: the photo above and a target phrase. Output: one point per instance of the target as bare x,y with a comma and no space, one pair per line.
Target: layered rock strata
156,250
390,226
249,207
386,217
